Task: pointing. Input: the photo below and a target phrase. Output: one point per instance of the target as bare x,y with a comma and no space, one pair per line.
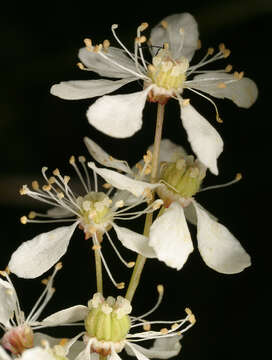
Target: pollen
147,327
35,185
160,288
164,331
131,264
23,220
238,176
120,285
56,172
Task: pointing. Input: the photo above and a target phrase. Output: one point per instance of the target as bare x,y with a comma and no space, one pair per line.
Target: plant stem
98,267
140,261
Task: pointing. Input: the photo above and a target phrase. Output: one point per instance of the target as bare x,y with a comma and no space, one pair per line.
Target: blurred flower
172,44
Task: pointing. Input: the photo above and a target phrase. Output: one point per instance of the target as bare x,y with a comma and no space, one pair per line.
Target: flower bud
18,339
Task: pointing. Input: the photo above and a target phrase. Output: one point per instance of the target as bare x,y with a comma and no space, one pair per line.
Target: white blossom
173,43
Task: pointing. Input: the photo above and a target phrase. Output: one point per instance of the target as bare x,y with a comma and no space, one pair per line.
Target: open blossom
94,212
109,330
173,43
18,328
169,239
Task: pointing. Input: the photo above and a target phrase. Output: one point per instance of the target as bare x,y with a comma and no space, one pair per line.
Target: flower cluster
163,187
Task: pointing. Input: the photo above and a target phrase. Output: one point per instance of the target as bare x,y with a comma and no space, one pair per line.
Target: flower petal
119,116
4,355
104,67
7,302
170,237
37,353
36,256
85,89
169,151
67,316
163,348
242,92
219,249
206,143
190,213
59,212
104,158
123,182
135,351
181,43
134,241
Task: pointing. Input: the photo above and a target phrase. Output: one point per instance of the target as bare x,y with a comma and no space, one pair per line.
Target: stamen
160,290
127,264
73,163
23,220
238,177
82,160
228,68
35,185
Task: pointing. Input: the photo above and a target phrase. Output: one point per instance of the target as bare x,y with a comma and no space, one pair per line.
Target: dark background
39,47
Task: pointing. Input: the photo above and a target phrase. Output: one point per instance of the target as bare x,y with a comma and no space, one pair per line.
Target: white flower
94,212
108,330
170,238
18,328
173,43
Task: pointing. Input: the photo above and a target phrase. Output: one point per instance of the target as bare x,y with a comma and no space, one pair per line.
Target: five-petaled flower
173,43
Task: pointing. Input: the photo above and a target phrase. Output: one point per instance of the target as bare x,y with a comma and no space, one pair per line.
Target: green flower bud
108,319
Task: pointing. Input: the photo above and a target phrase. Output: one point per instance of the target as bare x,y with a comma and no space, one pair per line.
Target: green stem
140,261
98,268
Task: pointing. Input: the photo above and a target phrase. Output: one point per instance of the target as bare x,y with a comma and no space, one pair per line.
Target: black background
39,45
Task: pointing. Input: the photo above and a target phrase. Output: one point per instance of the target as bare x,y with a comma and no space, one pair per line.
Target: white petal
4,355
59,212
219,249
206,143
104,158
169,151
36,353
134,241
180,43
95,62
36,256
170,237
163,348
242,92
85,89
190,213
123,182
7,302
136,352
119,116
67,316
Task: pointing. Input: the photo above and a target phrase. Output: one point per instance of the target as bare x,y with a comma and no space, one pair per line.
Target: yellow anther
88,43
238,176
219,119
148,170
35,185
96,247
97,48
210,51
119,203
151,68
143,26
199,44
66,179
185,102
32,215
106,44
221,85
51,180
160,288
191,316
121,285
164,24
222,47
131,264
228,68
56,172
44,281
139,166
107,186
23,190
157,204
82,159
80,66
46,187
60,195
166,46
140,40
174,326
238,75
23,220
241,75
148,194
7,271
146,327
164,331
226,53
63,341
58,266
72,160
3,273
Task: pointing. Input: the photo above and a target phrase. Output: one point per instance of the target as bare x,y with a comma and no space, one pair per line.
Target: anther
151,68
72,160
23,220
82,159
97,48
119,203
96,247
238,176
106,44
160,289
66,179
88,44
219,119
199,44
107,186
51,180
164,24
221,85
210,51
166,46
140,40
35,185
174,326
164,331
56,172
131,264
146,327
228,68
191,318
222,47
80,66
143,26
23,190
60,195
63,341
32,215
58,266
185,102
46,187
226,53
120,285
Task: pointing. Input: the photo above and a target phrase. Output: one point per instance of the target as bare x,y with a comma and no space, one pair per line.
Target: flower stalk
98,266
140,261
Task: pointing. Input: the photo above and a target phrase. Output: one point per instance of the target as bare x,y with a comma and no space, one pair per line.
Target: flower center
168,73
182,179
95,211
18,339
108,322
